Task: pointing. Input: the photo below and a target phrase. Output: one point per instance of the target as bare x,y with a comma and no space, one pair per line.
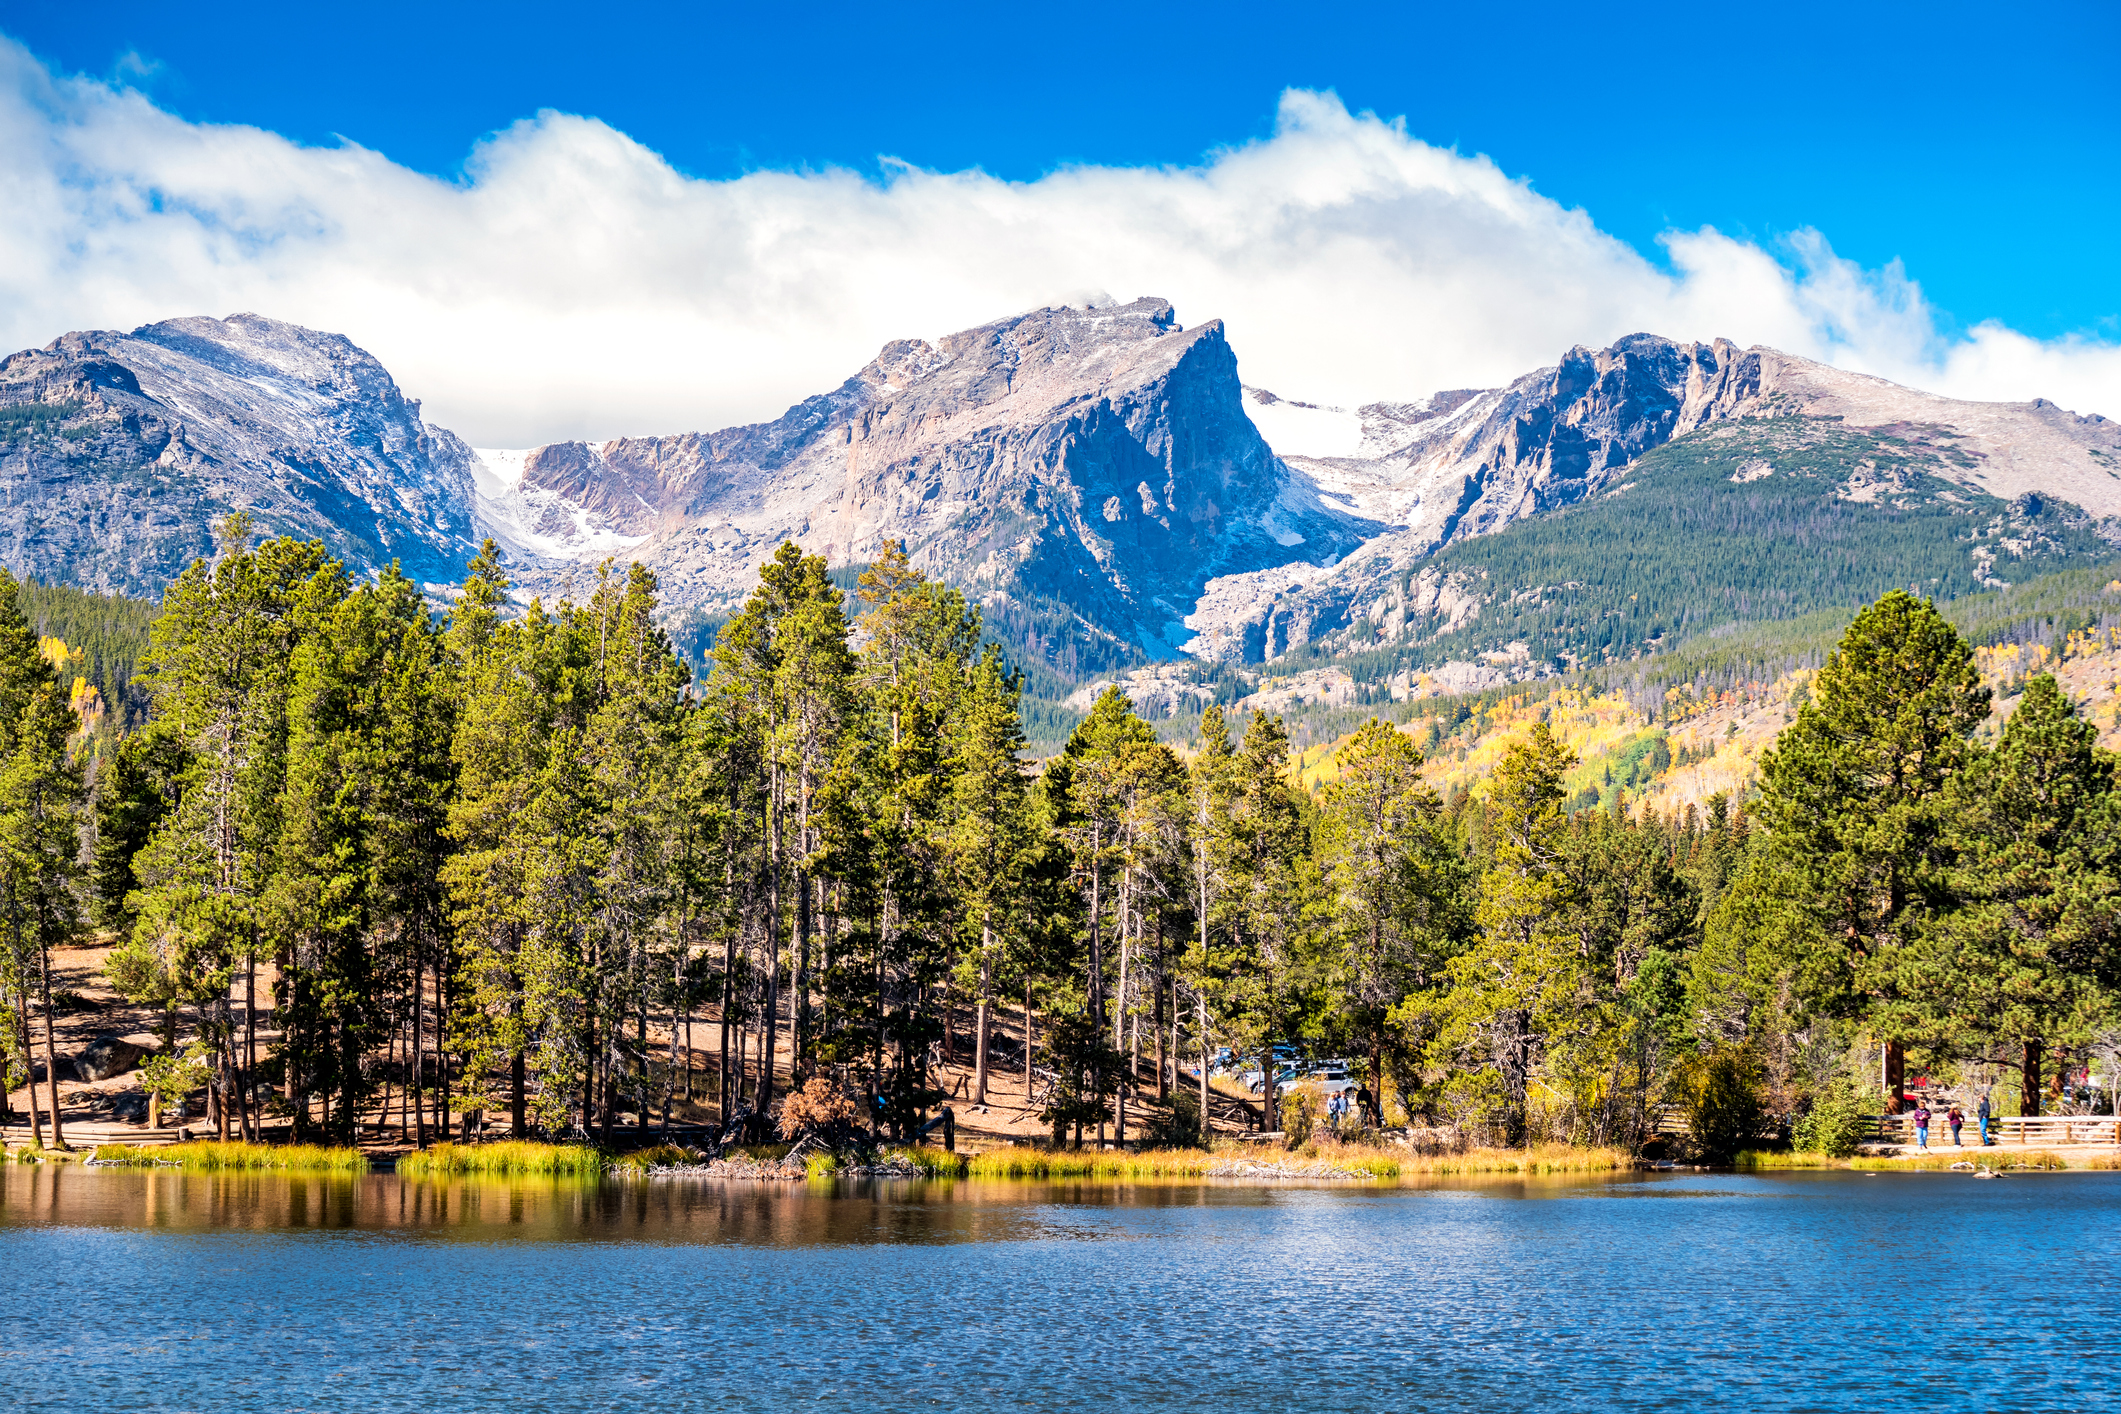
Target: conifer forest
371,860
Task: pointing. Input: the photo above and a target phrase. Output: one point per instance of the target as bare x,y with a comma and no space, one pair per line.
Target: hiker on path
1982,1115
1367,1106
1922,1124
1953,1118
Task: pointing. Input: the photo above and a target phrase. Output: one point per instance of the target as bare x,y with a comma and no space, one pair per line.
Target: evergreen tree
1852,799
1518,992
2035,938
990,832
1400,890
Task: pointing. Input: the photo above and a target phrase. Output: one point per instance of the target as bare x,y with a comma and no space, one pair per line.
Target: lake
1827,1291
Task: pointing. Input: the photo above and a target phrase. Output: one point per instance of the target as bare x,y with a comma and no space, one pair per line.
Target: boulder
129,1106
107,1056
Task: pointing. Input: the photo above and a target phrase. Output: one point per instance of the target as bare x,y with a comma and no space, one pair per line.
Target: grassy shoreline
1996,1160
509,1157
213,1156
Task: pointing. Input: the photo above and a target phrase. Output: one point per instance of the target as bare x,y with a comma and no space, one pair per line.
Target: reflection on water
160,1289
570,1209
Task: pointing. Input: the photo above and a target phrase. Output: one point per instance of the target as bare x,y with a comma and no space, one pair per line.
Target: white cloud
574,284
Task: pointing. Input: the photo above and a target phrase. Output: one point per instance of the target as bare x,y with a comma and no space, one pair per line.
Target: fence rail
2013,1129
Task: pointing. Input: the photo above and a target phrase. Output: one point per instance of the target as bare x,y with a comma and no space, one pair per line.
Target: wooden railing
2014,1129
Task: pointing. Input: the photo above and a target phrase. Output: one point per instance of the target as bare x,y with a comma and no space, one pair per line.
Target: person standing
1953,1118
1922,1124
1981,1114
1366,1106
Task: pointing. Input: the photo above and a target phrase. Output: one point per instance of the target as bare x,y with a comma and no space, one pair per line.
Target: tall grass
658,1156
1089,1163
512,1156
928,1159
214,1156
1793,1159
1366,1161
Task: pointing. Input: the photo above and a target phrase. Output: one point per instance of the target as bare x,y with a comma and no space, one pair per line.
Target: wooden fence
2032,1130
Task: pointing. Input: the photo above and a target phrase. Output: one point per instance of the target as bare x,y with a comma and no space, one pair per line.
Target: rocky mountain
1082,471
1103,483
119,451
1473,462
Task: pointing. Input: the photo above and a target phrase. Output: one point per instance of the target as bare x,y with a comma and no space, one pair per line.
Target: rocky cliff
1097,462
119,451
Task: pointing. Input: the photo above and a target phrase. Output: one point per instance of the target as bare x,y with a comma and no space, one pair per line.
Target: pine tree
2035,939
40,792
219,673
1852,799
1517,993
989,832
1399,889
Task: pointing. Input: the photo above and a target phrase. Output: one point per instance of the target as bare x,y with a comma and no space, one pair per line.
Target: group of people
1359,1102
1923,1115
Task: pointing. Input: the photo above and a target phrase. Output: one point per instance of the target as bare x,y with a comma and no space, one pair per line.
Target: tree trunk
1097,958
441,1053
1207,1126
515,1096
2028,1079
1027,1042
51,1051
1896,1074
1268,1090
1129,929
419,1050
1163,1075
986,991
770,1021
29,1065
1377,1072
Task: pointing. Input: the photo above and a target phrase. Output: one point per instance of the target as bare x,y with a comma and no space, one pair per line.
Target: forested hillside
1746,522
104,637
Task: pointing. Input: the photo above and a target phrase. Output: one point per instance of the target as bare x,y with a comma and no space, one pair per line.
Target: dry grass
1538,1159
1935,1162
1365,1161
214,1156
1090,1163
1797,1159
512,1156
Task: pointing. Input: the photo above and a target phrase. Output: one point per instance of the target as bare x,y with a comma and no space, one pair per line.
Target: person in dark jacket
1922,1124
1953,1118
1981,1114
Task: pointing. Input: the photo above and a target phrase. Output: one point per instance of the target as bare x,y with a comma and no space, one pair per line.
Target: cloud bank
574,284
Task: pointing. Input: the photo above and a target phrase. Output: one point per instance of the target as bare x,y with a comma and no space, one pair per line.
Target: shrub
1835,1123
819,1106
1721,1093
1180,1129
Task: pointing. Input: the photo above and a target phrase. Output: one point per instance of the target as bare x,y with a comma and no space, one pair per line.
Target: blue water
1683,1292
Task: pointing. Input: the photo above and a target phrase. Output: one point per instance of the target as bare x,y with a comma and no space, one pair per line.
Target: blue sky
735,207
1979,145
